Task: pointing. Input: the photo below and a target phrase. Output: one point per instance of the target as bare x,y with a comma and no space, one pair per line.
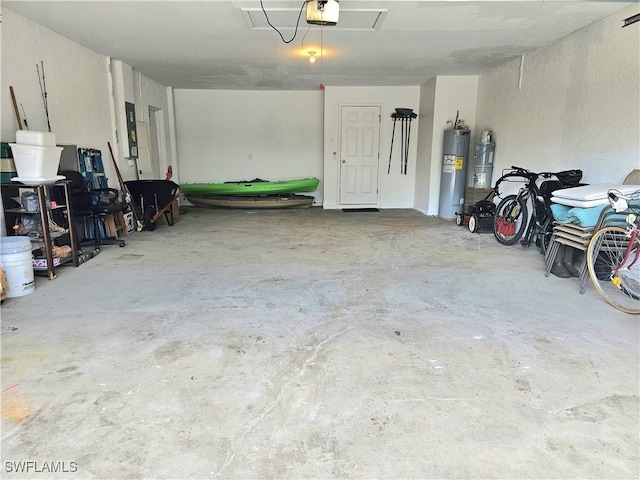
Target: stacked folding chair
579,237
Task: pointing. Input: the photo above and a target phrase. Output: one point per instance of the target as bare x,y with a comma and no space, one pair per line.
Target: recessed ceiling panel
286,18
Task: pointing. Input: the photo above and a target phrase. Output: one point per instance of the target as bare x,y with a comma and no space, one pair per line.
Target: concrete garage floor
317,344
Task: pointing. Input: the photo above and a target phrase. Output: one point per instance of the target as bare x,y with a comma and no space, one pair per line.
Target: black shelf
26,212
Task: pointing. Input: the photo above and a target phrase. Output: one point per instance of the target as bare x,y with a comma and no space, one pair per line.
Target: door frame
160,143
339,156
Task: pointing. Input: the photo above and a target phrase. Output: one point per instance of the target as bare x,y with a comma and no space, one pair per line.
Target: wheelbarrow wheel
149,212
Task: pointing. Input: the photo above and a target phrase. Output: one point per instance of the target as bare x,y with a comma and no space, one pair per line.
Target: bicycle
512,221
613,253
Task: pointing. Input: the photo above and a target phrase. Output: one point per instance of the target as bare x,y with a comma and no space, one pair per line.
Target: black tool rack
405,115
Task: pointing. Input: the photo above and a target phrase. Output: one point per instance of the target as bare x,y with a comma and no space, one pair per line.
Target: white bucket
16,261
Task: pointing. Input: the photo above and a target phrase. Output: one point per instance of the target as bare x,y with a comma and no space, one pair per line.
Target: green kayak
253,187
286,200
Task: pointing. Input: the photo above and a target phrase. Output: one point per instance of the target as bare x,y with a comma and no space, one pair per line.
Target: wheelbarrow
153,199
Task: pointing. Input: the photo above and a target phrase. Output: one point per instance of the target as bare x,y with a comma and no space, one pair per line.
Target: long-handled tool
43,92
405,115
126,192
15,108
24,114
393,134
411,117
406,145
402,121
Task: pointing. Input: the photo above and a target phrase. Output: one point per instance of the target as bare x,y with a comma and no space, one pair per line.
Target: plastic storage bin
5,150
39,139
36,162
7,170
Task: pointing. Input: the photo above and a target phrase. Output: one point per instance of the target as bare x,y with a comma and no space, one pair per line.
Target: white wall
131,86
122,91
225,135
425,145
440,99
577,106
76,81
396,189
150,93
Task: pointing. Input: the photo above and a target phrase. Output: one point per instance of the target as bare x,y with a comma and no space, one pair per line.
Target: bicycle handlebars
522,173
530,173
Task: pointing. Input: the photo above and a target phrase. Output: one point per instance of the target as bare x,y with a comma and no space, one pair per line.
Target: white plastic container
39,139
36,162
16,261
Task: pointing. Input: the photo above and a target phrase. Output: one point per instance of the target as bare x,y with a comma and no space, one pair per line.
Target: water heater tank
454,172
479,176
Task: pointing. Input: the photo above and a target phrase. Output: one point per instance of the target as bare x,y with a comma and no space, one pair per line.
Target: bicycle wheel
510,220
546,234
605,254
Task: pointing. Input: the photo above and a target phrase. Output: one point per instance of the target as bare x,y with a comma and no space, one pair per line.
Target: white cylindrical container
16,261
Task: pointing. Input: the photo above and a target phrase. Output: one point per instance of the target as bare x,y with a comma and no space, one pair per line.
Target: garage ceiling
218,44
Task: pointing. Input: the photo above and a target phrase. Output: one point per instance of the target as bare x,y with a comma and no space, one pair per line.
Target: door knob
344,161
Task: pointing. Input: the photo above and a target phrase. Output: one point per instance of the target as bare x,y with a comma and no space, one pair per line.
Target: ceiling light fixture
312,56
323,12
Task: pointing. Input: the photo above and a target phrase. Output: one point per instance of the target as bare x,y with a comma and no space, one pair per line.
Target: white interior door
359,155
145,170
155,140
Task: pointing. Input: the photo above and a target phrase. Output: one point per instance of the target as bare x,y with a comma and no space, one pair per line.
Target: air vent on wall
285,19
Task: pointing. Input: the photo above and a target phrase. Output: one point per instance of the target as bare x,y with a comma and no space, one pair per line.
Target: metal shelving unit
46,243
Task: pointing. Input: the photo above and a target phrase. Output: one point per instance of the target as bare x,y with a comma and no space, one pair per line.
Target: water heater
479,176
454,172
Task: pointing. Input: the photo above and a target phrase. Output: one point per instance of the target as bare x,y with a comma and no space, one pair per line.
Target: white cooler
39,139
35,162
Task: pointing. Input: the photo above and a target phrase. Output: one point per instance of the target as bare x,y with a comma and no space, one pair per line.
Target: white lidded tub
34,162
38,139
